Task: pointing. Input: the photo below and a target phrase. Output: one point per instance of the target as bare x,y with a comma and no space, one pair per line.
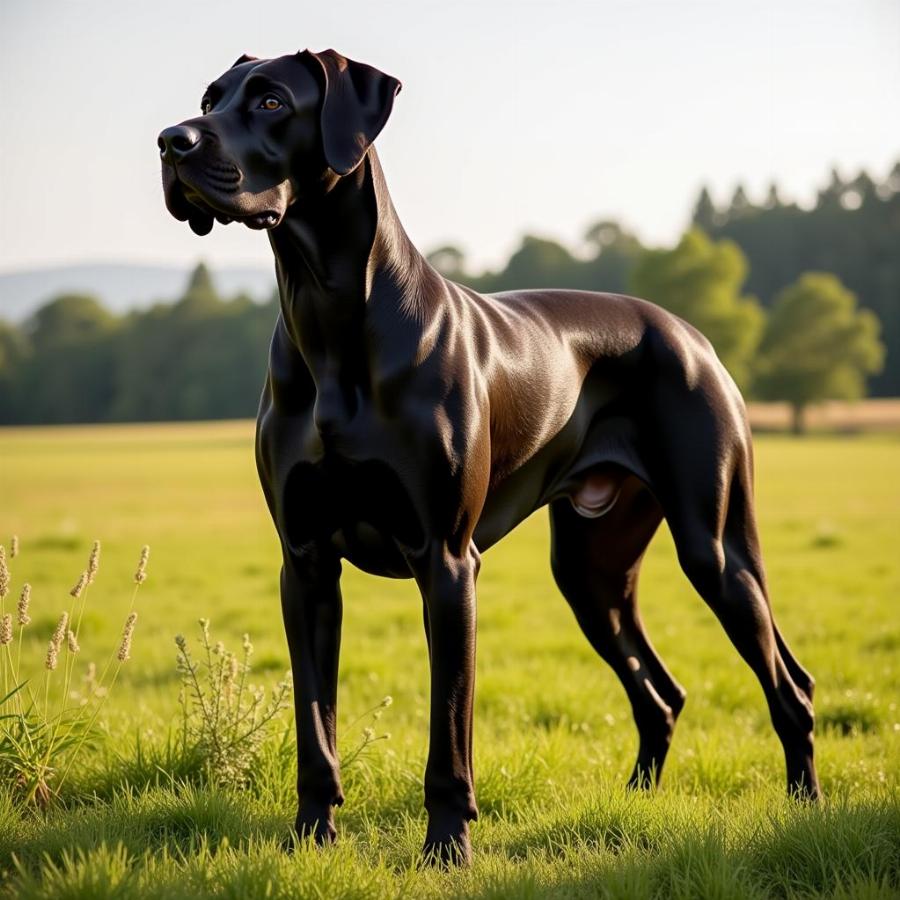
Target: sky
514,116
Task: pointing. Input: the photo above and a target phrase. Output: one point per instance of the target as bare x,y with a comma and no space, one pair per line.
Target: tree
831,195
13,347
853,232
740,202
450,261
200,297
201,284
541,263
817,346
700,280
606,234
705,214
69,318
615,253
892,182
67,376
14,352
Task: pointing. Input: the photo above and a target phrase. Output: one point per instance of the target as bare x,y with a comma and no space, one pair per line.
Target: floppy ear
244,58
356,102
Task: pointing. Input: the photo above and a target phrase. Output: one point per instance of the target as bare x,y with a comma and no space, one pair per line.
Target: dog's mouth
226,213
215,195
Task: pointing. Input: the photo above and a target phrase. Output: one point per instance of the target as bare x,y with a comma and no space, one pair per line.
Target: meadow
554,740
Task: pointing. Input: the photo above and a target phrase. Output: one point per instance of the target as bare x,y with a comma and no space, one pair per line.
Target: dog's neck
335,256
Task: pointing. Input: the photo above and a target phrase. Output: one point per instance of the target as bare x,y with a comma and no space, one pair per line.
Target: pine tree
740,202
705,215
200,292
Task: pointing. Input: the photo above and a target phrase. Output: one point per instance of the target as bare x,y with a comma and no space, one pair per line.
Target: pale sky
514,116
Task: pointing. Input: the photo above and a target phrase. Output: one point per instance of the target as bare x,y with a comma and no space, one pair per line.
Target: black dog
408,423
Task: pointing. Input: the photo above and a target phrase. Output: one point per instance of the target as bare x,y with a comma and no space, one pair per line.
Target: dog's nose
177,141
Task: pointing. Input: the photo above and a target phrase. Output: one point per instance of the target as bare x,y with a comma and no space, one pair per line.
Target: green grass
553,732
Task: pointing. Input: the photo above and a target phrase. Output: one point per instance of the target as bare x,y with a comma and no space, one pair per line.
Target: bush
225,719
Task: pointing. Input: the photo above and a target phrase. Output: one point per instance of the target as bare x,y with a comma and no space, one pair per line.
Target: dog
408,423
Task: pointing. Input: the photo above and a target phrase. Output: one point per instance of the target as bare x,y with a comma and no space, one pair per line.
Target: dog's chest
348,479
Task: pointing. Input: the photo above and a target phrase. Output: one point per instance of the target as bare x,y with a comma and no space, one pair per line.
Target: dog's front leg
311,607
447,582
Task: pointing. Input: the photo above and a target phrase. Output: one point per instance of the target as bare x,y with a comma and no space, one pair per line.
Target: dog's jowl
408,423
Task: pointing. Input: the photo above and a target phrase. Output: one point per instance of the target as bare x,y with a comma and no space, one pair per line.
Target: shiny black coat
408,423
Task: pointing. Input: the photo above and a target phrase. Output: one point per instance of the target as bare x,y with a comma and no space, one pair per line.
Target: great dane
408,423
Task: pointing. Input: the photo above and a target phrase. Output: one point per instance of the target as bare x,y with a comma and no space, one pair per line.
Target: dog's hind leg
801,677
702,474
595,562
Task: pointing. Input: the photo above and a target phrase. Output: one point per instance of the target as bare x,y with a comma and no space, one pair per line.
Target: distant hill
120,286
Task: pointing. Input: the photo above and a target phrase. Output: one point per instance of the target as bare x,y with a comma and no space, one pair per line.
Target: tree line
801,305
201,357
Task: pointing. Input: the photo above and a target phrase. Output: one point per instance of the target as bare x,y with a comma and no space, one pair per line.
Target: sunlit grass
553,733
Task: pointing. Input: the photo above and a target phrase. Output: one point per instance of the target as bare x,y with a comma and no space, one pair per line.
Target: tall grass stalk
39,740
4,591
120,656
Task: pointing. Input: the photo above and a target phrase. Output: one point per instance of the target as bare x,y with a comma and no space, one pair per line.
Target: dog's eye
270,102
205,105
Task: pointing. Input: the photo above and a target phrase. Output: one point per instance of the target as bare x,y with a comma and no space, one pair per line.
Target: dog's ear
244,58
356,102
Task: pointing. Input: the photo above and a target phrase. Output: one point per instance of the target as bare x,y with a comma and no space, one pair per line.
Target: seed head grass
55,643
124,651
52,657
60,631
93,562
42,737
22,607
4,574
140,576
80,585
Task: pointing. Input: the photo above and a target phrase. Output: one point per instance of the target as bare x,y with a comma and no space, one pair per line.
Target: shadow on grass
853,713
613,823
202,843
175,820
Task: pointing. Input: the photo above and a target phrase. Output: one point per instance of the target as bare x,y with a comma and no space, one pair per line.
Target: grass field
554,741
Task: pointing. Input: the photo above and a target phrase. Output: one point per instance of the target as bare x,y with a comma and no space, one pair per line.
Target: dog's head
271,131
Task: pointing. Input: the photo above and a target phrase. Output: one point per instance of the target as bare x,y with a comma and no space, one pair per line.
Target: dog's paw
447,845
312,822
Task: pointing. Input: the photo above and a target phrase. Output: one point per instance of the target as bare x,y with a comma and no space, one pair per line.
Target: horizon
705,94
574,246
